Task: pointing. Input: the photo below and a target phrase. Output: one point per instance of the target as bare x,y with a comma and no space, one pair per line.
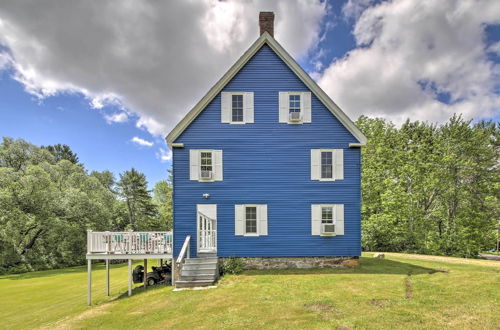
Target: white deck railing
129,242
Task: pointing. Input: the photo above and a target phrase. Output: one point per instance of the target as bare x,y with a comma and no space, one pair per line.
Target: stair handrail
185,248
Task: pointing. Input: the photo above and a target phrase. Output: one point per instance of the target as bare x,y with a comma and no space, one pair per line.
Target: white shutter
306,107
194,164
315,219
217,154
248,107
284,107
315,164
239,219
339,219
262,217
225,107
338,168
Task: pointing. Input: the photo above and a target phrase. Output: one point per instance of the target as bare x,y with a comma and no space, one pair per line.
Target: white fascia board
282,53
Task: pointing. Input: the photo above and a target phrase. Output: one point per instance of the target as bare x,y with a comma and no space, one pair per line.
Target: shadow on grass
366,266
55,272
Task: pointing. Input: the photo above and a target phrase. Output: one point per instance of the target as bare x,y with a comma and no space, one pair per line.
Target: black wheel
151,281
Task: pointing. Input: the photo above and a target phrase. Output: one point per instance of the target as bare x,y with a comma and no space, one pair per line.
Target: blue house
266,167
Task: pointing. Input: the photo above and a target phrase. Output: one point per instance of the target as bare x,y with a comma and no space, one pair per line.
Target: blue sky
113,87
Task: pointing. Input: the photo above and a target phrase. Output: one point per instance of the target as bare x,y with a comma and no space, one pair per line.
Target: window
206,165
327,219
326,165
237,108
251,220
294,107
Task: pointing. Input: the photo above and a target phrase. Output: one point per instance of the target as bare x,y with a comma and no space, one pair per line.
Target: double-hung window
237,108
251,220
327,221
294,111
294,107
326,164
206,165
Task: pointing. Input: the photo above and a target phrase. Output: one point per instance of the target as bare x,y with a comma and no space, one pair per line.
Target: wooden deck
127,245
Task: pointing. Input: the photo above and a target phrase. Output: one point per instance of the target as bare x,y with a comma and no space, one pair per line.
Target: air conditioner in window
295,116
206,174
328,229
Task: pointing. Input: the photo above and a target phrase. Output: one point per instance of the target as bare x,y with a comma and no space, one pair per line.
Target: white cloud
155,59
411,53
142,142
120,117
164,155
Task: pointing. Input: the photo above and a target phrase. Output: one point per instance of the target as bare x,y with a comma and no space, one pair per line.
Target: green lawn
402,291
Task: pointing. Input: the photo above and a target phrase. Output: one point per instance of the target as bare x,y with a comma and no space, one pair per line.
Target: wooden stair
198,272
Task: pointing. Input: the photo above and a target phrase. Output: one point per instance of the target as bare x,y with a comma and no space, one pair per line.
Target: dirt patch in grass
325,311
380,302
408,287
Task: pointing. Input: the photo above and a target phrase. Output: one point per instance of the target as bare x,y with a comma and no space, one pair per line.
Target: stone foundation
297,262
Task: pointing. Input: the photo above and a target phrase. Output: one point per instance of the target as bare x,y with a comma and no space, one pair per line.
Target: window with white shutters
327,219
205,165
237,107
294,107
327,164
250,220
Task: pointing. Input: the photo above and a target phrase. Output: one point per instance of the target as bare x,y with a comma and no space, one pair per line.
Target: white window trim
332,151
257,226
334,218
243,122
213,165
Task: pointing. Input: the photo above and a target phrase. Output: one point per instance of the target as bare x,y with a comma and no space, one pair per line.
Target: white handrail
185,248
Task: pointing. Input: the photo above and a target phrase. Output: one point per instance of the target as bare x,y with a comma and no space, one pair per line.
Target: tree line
430,189
426,188
48,200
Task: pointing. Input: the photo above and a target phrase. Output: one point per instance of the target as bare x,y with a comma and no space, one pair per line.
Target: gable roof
266,38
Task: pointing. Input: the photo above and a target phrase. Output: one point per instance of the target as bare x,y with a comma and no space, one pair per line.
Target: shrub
232,265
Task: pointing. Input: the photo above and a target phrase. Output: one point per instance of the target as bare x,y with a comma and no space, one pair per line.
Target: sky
112,78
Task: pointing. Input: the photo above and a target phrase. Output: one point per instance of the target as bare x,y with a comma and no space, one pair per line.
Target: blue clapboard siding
268,163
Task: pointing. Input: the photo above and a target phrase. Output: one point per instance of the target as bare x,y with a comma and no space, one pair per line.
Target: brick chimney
266,22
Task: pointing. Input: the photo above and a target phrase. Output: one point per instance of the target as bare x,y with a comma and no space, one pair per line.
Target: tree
132,188
62,151
430,189
162,197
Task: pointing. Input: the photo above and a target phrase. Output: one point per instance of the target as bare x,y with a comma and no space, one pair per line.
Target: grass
401,291
493,252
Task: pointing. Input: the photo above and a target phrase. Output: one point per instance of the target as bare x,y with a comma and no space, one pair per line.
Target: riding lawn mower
161,274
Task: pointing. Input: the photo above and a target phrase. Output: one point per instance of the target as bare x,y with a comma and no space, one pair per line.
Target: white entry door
207,227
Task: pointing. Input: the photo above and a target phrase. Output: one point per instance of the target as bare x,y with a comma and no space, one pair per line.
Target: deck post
145,273
89,282
174,266
129,277
107,277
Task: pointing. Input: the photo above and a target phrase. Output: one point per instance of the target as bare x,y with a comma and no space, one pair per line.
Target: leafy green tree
162,197
132,188
430,189
62,151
